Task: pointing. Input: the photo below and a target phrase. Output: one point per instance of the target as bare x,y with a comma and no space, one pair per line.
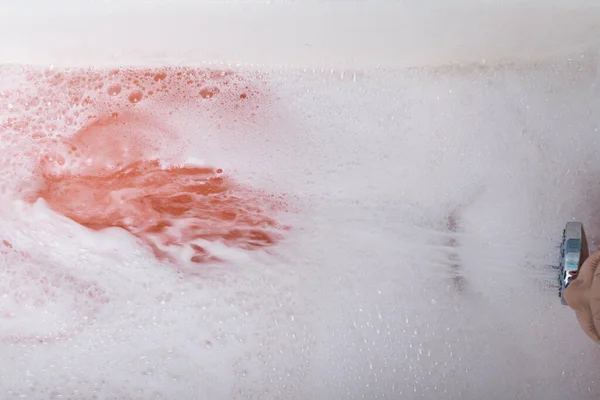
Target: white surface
301,34
363,300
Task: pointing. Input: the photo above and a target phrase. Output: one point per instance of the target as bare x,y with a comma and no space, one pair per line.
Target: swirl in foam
97,148
122,166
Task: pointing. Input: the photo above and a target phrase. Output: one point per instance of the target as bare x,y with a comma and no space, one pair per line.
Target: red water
101,149
108,173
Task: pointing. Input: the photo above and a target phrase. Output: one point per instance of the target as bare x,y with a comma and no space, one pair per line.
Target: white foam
363,299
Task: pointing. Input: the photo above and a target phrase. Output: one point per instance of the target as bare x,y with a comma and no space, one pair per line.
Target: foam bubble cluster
35,293
98,149
99,201
431,203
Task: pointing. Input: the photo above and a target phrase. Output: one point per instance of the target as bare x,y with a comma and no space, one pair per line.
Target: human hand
583,296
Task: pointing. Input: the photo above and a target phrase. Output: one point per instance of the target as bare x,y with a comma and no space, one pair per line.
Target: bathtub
420,160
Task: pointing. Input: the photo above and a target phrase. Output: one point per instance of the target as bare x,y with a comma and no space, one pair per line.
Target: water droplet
160,76
114,90
208,92
135,96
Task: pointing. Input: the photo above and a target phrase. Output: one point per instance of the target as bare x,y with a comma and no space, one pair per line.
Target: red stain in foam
91,135
164,207
105,176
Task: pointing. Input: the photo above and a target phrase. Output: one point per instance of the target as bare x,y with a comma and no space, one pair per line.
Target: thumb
583,296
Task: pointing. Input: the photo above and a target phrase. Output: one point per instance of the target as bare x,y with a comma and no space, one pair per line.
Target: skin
583,296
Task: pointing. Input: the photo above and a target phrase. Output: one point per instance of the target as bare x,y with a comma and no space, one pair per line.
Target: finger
577,297
583,296
587,270
594,299
576,294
